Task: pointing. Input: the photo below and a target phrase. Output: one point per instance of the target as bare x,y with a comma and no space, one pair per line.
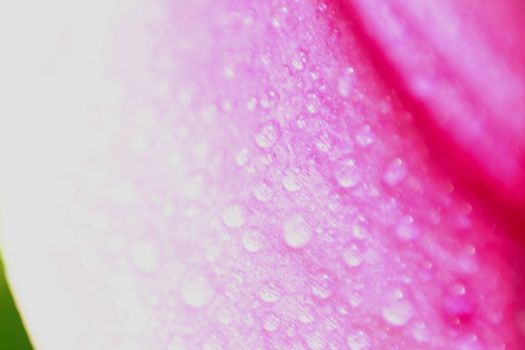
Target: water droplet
395,172
270,293
271,323
323,142
252,241
459,304
242,157
233,216
322,285
345,82
315,341
145,256
353,254
346,173
267,135
397,311
312,102
357,340
299,60
297,232
364,136
290,181
197,291
406,230
262,192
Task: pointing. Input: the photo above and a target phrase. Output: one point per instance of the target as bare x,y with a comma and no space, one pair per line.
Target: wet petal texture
461,66
240,175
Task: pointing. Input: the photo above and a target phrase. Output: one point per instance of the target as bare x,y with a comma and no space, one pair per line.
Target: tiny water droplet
299,60
271,323
312,102
297,232
353,254
290,181
270,293
242,157
357,340
267,135
364,136
252,241
322,285
406,230
346,174
345,82
395,172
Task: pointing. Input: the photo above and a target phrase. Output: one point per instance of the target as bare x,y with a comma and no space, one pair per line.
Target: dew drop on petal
357,340
321,286
344,84
252,241
297,232
290,181
271,323
406,230
197,291
312,102
346,174
233,216
353,254
269,293
364,136
395,172
267,135
397,312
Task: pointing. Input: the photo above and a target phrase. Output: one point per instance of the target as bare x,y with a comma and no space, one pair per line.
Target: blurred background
12,333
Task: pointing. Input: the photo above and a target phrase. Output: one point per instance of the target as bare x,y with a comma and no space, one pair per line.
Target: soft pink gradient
272,175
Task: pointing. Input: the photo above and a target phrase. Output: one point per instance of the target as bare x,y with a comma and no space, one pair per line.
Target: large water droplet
397,311
267,135
297,232
233,216
346,174
197,291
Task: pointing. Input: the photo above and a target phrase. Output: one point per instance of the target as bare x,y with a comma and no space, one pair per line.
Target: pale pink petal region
239,175
463,65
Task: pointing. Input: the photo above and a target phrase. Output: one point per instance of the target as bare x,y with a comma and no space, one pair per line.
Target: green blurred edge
13,335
